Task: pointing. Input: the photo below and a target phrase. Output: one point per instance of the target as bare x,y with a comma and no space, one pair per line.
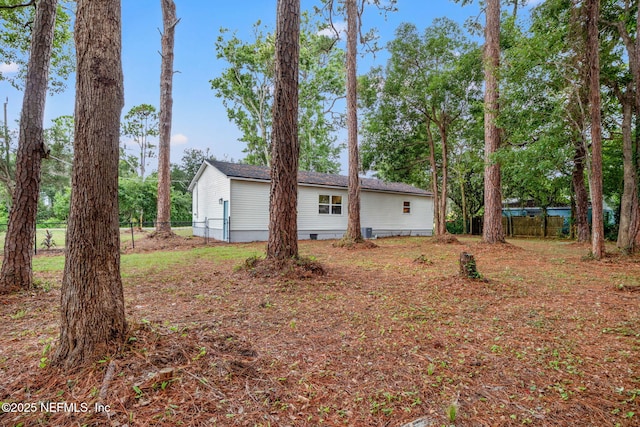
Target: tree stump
468,266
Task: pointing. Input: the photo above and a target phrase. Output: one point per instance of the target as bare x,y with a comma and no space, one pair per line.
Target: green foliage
430,88
15,43
61,204
140,124
246,85
183,173
4,213
56,170
180,206
137,199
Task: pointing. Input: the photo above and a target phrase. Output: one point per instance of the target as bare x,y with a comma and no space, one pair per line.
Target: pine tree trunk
354,232
582,197
92,302
18,249
163,218
593,64
492,229
285,150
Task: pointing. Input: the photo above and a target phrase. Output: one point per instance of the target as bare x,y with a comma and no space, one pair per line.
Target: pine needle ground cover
549,337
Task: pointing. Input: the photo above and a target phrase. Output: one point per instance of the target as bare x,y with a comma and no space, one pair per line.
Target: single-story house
231,203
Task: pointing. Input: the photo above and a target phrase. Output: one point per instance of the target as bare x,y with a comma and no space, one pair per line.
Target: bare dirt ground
387,336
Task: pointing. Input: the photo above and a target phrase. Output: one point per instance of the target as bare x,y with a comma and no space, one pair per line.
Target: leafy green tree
56,170
16,19
141,124
466,187
183,173
137,199
246,90
537,145
543,117
352,12
180,206
61,204
428,88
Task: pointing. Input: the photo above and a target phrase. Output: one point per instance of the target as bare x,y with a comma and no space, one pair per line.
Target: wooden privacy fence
537,226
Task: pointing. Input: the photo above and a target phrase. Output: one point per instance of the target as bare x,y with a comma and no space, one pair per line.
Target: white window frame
331,205
406,207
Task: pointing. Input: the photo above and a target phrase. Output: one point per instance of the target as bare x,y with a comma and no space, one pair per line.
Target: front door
225,220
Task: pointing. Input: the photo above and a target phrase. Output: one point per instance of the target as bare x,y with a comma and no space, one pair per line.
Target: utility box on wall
367,232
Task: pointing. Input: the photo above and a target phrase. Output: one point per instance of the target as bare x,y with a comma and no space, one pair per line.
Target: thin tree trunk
492,230
636,152
354,233
464,207
285,149
92,301
434,180
635,69
593,64
445,178
7,178
163,218
581,195
629,203
18,249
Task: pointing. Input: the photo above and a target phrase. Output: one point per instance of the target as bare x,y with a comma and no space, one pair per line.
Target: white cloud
9,68
340,27
179,139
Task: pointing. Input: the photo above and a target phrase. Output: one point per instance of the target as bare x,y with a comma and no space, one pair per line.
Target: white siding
249,210
308,216
210,187
249,205
384,211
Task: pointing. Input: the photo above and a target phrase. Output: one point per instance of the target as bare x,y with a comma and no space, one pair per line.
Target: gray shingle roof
262,173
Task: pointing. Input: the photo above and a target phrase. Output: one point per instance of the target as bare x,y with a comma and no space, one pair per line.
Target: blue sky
199,119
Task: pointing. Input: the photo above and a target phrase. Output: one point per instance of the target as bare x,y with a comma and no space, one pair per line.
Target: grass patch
159,261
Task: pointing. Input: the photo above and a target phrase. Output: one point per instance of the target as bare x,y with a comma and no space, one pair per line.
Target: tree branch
15,6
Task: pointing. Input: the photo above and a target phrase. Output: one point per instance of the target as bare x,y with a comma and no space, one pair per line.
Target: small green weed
18,314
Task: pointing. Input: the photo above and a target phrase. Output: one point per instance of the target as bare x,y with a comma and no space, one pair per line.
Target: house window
329,205
406,207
